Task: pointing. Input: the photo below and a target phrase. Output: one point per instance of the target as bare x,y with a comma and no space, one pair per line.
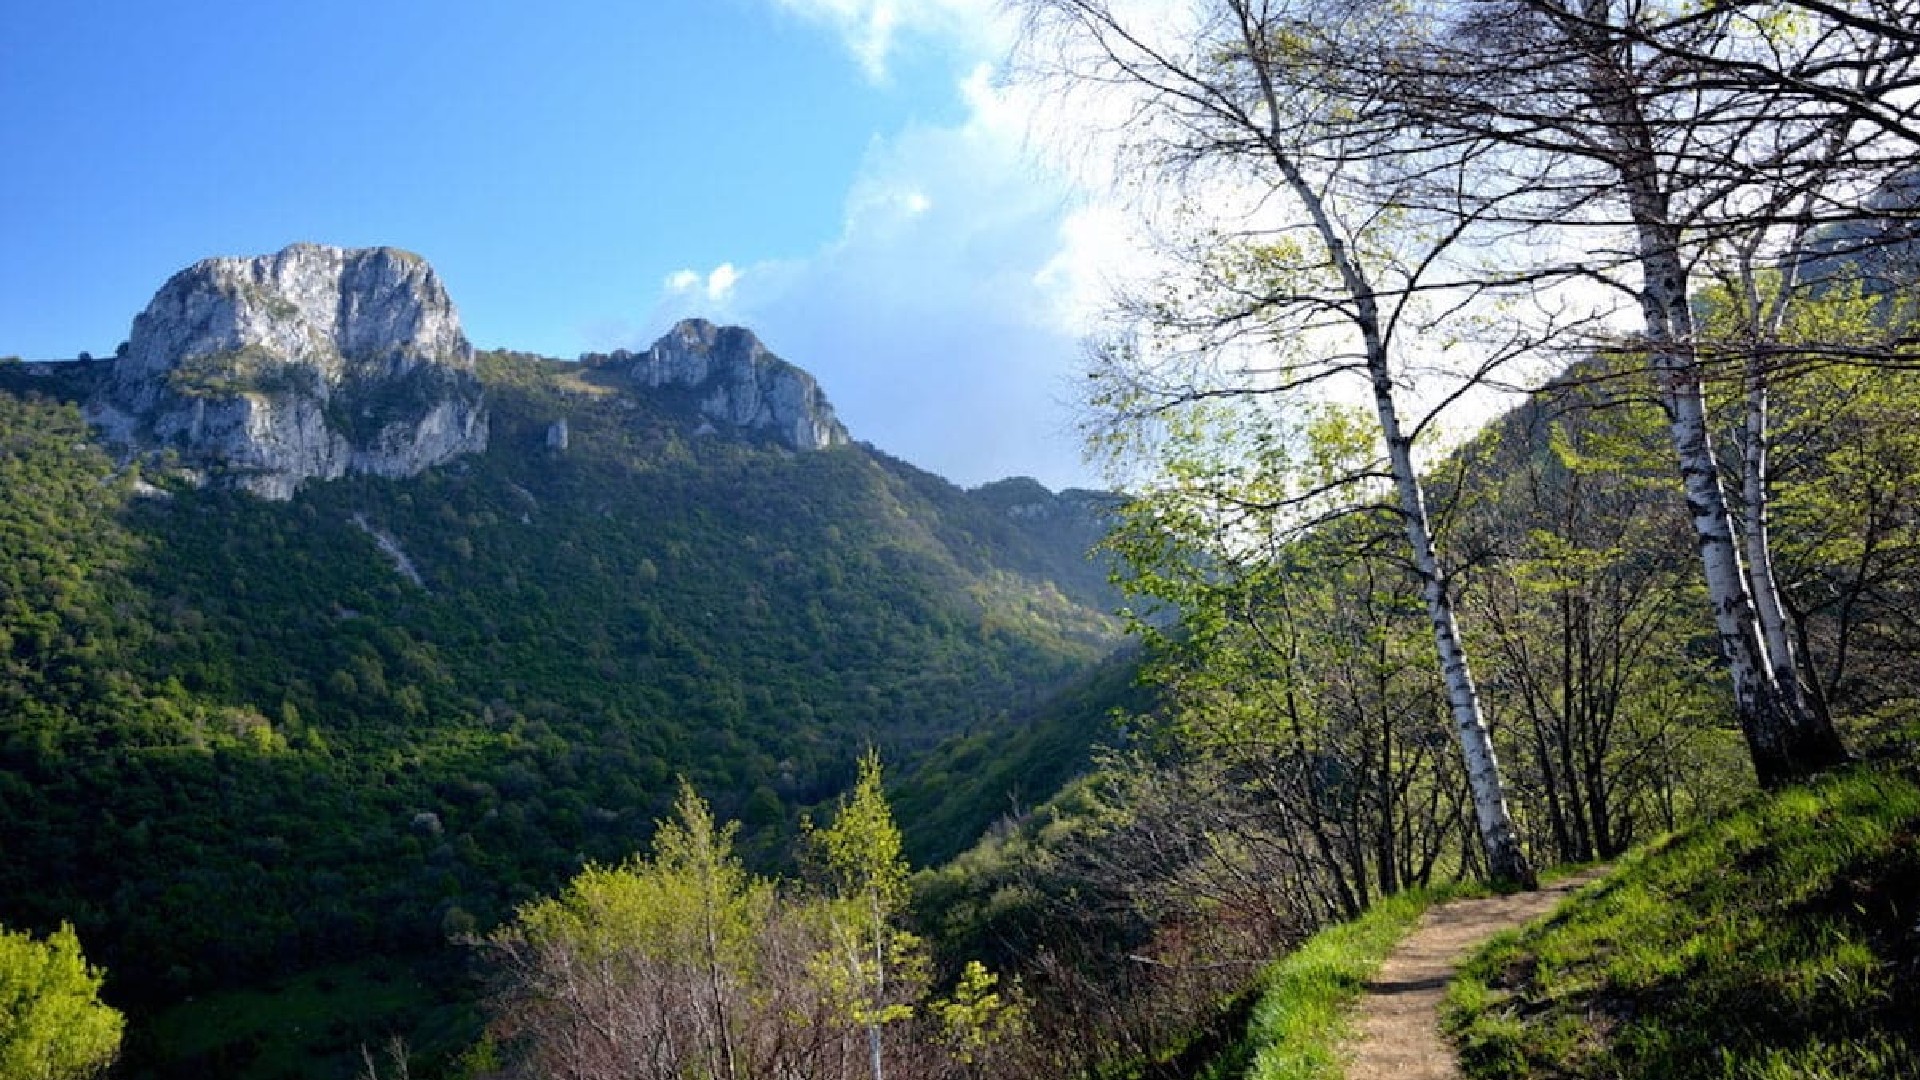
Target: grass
1299,1020
1781,940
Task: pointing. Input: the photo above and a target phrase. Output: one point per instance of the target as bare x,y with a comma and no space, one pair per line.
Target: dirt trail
1397,1023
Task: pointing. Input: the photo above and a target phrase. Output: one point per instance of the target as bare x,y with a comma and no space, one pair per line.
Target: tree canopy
53,1025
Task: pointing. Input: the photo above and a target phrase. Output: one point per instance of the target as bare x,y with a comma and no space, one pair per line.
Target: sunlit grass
1779,941
1299,1022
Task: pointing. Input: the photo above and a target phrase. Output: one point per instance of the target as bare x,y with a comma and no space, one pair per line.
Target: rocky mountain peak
740,385
309,363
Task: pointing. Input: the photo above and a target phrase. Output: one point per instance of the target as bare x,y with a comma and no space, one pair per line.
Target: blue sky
844,176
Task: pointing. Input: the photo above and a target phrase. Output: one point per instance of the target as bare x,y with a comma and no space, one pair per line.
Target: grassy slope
1778,941
1299,1020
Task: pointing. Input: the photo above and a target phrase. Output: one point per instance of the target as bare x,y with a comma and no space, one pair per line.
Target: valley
251,737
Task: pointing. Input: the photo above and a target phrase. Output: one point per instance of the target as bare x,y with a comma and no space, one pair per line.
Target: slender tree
53,1025
664,967
1584,614
1324,279
874,966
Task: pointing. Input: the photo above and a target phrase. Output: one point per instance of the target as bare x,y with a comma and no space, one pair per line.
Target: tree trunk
1781,737
1505,860
1384,845
876,912
1818,736
1782,742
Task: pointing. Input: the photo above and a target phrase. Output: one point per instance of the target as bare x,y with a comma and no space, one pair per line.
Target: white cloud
720,283
716,286
945,322
1100,252
872,29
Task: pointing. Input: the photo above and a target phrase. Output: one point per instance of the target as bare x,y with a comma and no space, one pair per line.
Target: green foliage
994,899
873,967
1302,667
253,369
360,410
53,1025
685,960
671,955
860,849
1586,622
1847,469
1001,768
236,745
1774,941
314,1024
692,898
976,1017
1299,1019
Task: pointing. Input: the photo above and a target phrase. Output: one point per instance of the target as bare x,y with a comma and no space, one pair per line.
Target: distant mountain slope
1002,769
241,737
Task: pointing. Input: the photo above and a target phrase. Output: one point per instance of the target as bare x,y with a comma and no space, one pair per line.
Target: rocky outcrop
738,386
264,373
1879,250
1023,498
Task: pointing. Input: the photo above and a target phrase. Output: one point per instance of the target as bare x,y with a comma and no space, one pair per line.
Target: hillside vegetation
1778,941
285,765
1292,766
245,740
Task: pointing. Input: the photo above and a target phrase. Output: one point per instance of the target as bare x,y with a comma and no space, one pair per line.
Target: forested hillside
1396,645
244,738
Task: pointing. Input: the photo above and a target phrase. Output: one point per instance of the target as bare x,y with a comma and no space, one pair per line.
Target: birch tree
1323,279
1669,135
873,967
1848,462
675,965
1584,614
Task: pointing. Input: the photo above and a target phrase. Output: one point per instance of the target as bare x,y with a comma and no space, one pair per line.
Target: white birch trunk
1783,746
1816,743
1504,858
1766,320
1759,545
1498,838
1765,717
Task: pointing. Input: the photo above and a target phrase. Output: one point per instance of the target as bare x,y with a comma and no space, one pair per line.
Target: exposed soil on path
1397,1022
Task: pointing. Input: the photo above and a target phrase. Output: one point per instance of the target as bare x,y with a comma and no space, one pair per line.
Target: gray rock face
739,384
1880,251
264,373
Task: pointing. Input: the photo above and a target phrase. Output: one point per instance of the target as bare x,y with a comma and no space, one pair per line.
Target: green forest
242,745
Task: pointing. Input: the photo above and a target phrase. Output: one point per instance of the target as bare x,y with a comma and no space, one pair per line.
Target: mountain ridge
315,362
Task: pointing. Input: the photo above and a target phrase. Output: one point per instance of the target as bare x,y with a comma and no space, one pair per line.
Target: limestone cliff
738,386
266,372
